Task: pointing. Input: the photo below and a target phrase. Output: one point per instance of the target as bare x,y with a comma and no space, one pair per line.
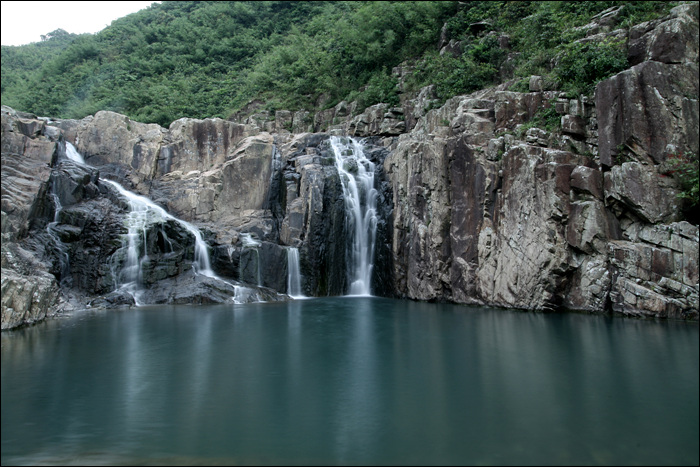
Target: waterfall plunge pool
349,380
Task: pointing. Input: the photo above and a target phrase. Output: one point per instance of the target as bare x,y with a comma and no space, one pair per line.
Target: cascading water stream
357,177
144,210
63,257
293,274
143,214
73,154
249,242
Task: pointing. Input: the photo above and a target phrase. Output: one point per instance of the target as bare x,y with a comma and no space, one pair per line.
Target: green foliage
453,76
476,68
521,85
582,65
684,168
382,87
546,118
640,11
546,41
21,64
205,59
621,155
209,59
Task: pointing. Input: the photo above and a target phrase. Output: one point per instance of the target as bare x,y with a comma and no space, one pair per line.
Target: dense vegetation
205,59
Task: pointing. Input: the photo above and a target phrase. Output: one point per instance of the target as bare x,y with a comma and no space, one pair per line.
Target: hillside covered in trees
210,59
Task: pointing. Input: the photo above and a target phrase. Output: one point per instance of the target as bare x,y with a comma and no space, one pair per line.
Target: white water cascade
357,177
293,274
73,154
249,242
144,211
63,258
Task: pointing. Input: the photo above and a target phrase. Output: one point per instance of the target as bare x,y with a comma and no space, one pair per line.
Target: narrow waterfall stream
63,257
144,210
357,177
251,243
293,274
143,213
73,154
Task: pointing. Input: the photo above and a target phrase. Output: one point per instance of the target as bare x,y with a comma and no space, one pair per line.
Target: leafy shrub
582,65
204,59
684,168
546,118
382,87
453,76
521,85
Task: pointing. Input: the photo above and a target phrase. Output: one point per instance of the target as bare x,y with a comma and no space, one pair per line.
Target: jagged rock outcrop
648,112
64,224
232,180
549,220
29,292
655,270
668,40
27,152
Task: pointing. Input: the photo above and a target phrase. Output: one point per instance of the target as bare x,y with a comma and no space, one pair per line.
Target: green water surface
354,380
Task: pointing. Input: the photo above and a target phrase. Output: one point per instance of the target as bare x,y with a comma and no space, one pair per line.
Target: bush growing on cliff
583,65
453,76
684,168
381,87
546,118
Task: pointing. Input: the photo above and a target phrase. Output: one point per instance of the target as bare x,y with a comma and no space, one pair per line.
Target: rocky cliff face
488,214
477,205
29,291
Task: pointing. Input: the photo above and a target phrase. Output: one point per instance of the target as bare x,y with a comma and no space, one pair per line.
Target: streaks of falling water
73,154
63,257
252,243
144,211
357,177
293,274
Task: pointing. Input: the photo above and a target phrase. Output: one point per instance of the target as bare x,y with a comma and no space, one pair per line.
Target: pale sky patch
25,22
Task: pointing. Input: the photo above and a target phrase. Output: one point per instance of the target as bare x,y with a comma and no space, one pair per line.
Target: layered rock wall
29,292
486,212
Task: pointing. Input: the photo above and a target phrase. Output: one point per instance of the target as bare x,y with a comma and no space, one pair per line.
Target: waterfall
144,211
130,263
73,154
63,258
357,177
293,274
229,251
249,242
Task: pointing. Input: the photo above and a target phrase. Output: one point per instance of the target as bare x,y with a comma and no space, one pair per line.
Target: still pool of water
349,381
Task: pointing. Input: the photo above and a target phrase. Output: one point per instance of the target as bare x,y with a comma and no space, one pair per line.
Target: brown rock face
648,112
641,190
668,40
27,296
562,219
26,158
